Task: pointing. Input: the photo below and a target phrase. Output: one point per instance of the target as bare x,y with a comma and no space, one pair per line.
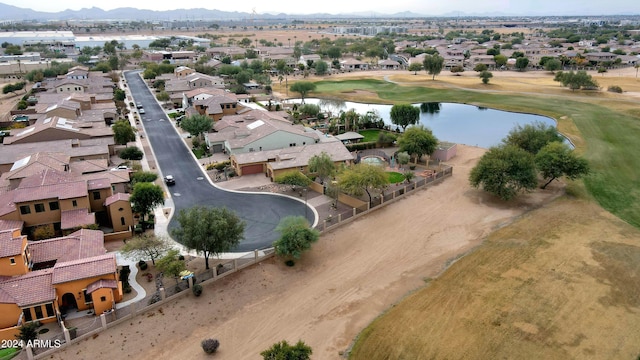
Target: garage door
217,148
252,169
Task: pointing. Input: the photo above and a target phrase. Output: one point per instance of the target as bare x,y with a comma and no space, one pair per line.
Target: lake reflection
459,123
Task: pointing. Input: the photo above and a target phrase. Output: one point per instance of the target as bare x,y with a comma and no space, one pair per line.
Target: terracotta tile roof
70,219
84,268
30,289
115,177
47,177
60,191
11,224
116,197
7,205
95,184
81,244
101,284
10,246
89,166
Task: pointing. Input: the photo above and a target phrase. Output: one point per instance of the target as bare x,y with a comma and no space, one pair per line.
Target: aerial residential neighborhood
335,186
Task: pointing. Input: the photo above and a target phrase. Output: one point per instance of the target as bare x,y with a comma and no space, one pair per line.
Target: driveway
261,212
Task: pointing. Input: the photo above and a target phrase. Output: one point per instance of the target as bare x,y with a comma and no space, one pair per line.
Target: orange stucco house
43,280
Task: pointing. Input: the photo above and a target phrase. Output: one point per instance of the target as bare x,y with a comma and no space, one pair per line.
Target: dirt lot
334,291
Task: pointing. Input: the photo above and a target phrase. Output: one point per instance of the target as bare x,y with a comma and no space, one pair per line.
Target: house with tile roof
258,130
62,201
276,162
43,280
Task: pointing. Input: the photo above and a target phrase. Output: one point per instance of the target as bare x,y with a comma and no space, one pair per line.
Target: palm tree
636,66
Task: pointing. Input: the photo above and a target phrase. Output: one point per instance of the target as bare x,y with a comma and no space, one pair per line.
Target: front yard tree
362,178
532,137
322,165
552,65
556,159
146,247
485,76
418,141
433,64
170,264
145,197
303,88
404,115
321,67
208,230
196,124
504,171
123,132
296,236
292,178
283,351
131,153
415,67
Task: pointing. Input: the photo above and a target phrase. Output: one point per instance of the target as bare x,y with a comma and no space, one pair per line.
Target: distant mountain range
9,12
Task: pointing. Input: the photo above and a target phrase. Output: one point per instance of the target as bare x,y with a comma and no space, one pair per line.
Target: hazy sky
425,7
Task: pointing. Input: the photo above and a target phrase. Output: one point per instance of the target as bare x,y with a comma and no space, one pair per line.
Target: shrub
210,345
131,153
221,165
197,289
615,89
142,264
44,232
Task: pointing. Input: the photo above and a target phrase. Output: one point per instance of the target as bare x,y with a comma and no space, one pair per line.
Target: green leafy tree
556,159
293,178
552,65
522,63
485,76
119,95
197,124
309,110
404,115
433,64
505,171
415,67
362,178
303,88
480,68
321,67
146,247
418,141
296,236
145,197
123,132
163,96
143,176
532,137
131,153
322,165
575,80
283,351
209,231
501,60
170,264
12,88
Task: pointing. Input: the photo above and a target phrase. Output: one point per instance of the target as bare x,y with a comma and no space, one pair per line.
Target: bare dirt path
349,277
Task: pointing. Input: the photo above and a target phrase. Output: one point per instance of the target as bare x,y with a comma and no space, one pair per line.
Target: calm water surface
459,123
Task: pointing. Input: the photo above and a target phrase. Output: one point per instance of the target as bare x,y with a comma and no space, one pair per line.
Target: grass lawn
8,353
199,153
610,128
394,177
370,135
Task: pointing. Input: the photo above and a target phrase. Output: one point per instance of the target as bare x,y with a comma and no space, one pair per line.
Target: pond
458,123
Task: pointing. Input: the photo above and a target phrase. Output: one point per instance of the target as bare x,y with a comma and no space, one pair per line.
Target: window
38,310
25,209
74,203
27,314
96,195
103,298
122,222
13,261
50,311
54,205
87,297
39,207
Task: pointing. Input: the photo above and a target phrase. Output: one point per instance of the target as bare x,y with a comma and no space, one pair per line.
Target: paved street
261,212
